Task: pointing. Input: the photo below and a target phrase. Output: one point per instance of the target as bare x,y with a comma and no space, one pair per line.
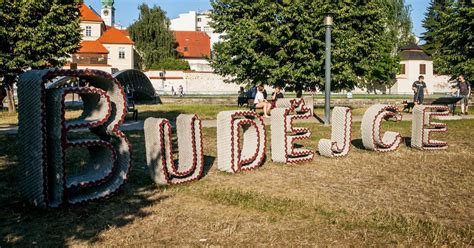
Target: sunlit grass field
402,198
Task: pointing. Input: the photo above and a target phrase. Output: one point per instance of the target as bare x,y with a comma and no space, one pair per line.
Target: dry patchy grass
407,197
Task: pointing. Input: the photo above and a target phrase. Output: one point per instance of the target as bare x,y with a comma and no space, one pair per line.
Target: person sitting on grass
262,103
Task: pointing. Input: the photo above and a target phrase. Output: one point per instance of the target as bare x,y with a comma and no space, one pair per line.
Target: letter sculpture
423,127
341,132
283,147
372,137
43,137
233,154
159,150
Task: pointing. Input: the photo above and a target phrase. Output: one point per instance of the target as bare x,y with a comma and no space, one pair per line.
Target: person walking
419,90
464,92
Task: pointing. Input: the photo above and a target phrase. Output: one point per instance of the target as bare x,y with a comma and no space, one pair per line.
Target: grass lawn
170,111
407,197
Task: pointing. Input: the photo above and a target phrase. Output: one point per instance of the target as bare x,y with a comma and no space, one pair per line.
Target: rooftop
115,36
413,52
92,47
193,44
88,14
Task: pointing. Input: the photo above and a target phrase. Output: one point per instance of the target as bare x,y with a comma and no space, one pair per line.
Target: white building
414,63
196,21
103,46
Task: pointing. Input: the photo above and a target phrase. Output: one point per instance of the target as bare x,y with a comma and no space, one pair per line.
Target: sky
126,11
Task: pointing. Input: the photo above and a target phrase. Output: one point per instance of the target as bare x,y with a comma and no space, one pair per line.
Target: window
199,19
121,53
402,69
186,49
88,31
422,69
207,29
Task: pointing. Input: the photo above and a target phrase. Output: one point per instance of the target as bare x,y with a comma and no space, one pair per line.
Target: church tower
108,12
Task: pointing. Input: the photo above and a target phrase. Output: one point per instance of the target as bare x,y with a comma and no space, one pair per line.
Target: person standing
464,92
173,93
181,91
420,90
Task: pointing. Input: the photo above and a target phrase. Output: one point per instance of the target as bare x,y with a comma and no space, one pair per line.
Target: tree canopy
282,42
152,36
37,34
449,36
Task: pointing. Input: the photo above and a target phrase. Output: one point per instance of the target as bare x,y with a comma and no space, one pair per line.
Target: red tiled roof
114,36
197,44
92,47
88,15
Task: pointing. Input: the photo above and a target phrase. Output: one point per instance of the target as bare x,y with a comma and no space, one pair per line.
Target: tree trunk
9,81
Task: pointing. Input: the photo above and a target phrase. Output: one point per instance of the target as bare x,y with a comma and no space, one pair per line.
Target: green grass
405,198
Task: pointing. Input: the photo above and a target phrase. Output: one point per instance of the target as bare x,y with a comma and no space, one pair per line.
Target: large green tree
36,34
432,23
282,42
449,36
152,36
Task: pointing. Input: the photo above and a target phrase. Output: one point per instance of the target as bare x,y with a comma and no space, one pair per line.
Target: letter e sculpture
283,147
423,127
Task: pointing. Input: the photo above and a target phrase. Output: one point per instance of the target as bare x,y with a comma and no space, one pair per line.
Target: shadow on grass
21,224
407,141
143,115
357,143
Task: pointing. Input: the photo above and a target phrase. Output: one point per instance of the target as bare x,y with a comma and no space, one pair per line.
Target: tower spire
108,12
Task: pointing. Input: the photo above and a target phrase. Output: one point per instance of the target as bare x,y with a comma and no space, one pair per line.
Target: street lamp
327,86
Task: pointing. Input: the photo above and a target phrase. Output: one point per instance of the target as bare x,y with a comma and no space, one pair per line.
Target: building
195,48
104,46
413,63
196,21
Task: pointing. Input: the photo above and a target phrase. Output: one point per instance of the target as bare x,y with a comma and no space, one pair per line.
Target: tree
282,42
36,34
382,71
152,36
171,64
450,37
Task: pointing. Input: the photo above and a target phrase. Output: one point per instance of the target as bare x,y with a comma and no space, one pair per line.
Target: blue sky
127,10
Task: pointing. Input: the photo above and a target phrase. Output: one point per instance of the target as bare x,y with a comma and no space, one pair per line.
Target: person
172,91
464,88
242,97
420,90
181,91
261,102
277,94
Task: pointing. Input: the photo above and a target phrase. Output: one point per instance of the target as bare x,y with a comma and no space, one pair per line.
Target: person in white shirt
262,103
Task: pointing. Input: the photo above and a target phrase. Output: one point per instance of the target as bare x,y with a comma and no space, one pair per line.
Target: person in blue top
420,90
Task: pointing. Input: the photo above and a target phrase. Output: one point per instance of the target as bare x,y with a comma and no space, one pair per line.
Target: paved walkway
138,125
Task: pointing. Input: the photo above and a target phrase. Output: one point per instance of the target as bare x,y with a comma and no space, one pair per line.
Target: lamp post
327,86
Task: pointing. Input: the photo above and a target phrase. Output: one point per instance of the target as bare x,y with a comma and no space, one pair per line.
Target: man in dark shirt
464,92
419,88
